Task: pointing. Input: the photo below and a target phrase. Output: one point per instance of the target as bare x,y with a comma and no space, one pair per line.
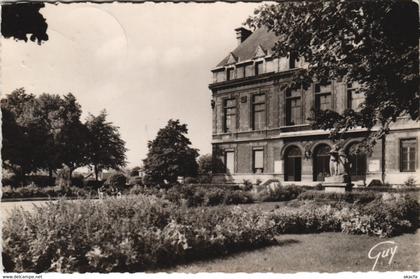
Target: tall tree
72,135
105,147
47,112
22,134
170,154
373,43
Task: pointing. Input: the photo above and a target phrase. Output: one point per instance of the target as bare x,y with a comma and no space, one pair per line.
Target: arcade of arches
320,163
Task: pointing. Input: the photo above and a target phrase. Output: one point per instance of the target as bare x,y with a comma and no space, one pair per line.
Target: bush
126,235
190,180
279,193
45,192
42,180
247,185
383,218
319,187
410,182
117,181
93,184
77,180
11,180
135,180
320,196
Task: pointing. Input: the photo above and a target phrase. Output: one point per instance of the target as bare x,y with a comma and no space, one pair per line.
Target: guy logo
382,250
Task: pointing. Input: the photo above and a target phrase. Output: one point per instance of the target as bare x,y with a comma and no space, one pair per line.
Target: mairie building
262,132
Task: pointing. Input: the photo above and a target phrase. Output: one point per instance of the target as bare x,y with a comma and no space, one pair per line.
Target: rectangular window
258,112
230,73
293,108
323,97
258,161
408,155
249,70
240,72
230,162
259,68
354,98
229,109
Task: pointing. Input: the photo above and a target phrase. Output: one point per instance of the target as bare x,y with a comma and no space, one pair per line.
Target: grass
324,252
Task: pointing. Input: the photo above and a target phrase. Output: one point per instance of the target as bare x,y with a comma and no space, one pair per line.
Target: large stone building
261,131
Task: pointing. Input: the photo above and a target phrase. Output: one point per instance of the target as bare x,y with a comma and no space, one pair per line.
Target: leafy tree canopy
18,20
373,43
106,149
170,154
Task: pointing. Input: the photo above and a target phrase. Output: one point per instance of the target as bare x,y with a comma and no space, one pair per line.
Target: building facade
262,132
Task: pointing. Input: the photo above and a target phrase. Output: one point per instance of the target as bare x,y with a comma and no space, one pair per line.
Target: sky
143,63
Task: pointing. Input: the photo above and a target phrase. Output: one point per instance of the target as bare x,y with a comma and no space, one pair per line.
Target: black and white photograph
210,137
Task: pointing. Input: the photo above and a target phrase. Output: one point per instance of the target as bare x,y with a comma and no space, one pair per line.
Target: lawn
324,252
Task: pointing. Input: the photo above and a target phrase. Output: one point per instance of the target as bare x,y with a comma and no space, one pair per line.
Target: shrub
117,181
190,180
384,218
247,185
410,182
320,196
32,191
11,180
279,193
42,180
135,180
77,180
319,187
93,184
204,178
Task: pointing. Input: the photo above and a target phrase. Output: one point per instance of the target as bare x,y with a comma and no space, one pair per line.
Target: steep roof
246,50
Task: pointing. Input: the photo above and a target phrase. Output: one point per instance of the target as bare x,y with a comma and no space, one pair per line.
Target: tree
22,134
105,148
208,164
72,135
170,154
48,114
373,43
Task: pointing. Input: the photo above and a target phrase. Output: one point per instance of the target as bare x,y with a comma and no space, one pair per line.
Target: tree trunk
96,170
70,176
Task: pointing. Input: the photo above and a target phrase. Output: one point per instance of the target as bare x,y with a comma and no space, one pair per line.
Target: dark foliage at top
372,43
22,19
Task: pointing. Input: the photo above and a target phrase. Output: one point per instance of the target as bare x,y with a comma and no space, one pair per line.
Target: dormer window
259,68
230,73
240,72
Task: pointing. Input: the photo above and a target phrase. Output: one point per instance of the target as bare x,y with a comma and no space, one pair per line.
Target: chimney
242,34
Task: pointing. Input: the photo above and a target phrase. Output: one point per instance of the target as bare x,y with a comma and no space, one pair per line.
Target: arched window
357,160
293,164
321,162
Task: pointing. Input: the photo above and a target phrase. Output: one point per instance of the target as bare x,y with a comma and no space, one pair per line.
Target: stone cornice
250,80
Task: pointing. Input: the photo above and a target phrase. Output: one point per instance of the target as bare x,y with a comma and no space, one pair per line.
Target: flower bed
128,234
143,232
351,197
45,192
193,195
